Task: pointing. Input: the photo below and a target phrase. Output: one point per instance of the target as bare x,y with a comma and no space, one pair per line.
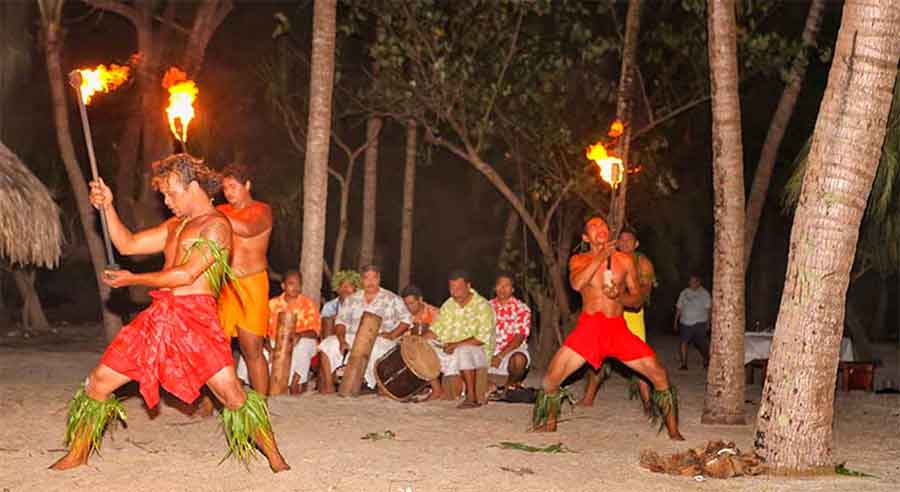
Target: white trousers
304,351
464,358
503,369
331,348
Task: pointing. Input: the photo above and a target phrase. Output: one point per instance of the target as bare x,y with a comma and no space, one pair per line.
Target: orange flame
182,93
616,129
610,167
101,79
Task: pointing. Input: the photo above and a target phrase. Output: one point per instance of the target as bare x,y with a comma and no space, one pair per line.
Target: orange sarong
246,307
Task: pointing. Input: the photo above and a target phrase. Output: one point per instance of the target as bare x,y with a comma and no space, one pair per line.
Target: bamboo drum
281,356
369,327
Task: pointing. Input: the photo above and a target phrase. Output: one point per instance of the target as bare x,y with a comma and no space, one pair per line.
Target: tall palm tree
724,401
794,426
315,169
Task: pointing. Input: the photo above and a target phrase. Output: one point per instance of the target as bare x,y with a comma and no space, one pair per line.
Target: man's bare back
252,226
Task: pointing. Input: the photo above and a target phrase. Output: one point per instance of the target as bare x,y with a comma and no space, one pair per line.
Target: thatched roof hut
30,231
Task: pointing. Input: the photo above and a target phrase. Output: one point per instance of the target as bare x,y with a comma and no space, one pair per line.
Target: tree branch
115,7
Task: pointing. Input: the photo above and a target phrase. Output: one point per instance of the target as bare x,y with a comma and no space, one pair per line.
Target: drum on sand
407,368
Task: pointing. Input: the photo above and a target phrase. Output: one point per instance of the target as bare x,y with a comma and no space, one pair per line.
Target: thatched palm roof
30,231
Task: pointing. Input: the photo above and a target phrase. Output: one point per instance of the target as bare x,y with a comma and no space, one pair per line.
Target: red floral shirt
513,318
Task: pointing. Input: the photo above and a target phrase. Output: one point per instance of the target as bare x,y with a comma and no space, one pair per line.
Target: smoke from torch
182,93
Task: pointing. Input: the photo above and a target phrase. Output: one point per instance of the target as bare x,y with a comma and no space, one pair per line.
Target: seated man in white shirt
395,320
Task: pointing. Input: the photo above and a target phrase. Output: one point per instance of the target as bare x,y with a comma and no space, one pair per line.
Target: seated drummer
513,317
423,314
465,328
395,320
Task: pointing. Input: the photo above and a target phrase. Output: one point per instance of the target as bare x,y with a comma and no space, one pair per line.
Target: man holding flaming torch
177,342
601,331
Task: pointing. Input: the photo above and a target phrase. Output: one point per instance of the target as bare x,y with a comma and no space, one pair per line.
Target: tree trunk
343,223
509,237
370,190
623,108
794,427
315,170
53,39
409,189
724,400
370,180
757,198
33,317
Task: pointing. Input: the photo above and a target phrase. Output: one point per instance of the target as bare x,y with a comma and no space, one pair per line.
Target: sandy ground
437,447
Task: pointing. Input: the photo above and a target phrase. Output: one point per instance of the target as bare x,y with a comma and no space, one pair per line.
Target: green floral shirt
475,319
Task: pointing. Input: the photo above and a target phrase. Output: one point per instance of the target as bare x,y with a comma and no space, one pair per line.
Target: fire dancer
601,330
634,319
177,341
244,312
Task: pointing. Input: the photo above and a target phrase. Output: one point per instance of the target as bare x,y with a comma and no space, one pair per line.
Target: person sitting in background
344,283
513,325
395,320
423,314
465,329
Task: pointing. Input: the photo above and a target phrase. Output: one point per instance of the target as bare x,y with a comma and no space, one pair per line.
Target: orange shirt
306,310
426,314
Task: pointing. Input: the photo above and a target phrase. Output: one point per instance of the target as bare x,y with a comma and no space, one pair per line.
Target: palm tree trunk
623,107
409,188
33,317
315,170
794,427
53,45
777,127
724,400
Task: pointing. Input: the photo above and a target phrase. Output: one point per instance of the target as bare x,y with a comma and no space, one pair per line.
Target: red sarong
176,342
597,337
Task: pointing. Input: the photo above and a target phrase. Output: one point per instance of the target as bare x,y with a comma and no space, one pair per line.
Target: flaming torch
88,82
180,111
612,171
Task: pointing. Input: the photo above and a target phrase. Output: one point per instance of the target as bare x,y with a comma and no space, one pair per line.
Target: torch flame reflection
182,93
101,79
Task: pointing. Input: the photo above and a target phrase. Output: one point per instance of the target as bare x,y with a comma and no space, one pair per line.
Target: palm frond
245,425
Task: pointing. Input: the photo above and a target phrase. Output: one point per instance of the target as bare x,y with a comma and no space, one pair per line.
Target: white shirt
694,306
386,304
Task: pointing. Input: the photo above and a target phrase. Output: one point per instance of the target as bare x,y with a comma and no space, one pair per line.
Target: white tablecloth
758,344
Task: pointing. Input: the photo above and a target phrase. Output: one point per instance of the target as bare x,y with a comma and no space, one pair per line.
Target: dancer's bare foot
672,428
270,450
78,453
72,459
205,407
585,401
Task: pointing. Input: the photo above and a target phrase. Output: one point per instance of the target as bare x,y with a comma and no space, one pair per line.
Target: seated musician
306,331
395,320
465,329
513,317
423,314
344,283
